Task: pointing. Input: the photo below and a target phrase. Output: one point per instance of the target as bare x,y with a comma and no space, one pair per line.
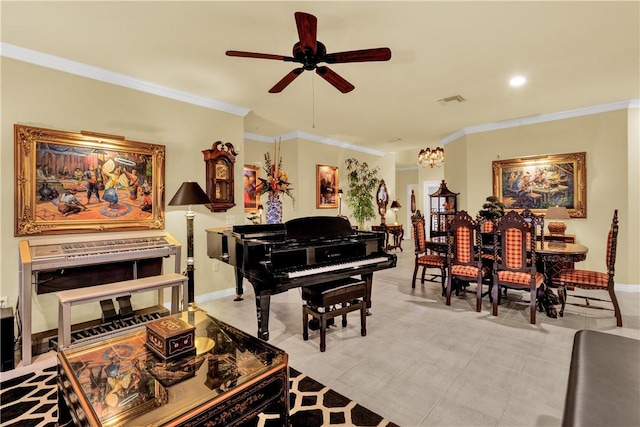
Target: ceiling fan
310,52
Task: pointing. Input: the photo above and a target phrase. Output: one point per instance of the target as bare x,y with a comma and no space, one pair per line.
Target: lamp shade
557,212
395,205
556,216
189,193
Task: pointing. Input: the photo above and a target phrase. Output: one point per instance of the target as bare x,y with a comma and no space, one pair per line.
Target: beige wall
43,97
611,145
38,96
405,178
300,158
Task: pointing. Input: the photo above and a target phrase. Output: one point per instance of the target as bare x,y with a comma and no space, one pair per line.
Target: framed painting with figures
327,187
539,182
68,182
250,183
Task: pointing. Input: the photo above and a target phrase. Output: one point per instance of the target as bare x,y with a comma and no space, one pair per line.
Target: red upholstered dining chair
593,280
515,260
424,257
463,255
537,221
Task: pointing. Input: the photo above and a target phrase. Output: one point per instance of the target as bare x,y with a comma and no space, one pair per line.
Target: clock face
222,171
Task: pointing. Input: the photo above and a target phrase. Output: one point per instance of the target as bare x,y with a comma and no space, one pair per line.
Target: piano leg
263,302
368,279
239,289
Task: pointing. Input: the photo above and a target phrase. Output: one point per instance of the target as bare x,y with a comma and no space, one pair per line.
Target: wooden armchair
515,260
593,280
423,257
463,255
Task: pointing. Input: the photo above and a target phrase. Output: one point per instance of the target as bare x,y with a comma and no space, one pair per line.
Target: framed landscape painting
539,182
84,182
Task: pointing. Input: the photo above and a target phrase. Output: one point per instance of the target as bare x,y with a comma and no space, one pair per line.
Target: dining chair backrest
486,227
419,235
463,239
512,247
537,221
612,243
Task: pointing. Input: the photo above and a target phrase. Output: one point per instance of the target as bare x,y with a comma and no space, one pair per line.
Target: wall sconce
557,215
395,205
190,193
431,157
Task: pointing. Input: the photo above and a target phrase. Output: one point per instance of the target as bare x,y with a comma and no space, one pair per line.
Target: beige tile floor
423,363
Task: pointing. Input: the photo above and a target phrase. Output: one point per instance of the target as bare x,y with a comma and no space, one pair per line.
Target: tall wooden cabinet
444,205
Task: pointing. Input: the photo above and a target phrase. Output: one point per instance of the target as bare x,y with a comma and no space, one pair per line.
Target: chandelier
431,157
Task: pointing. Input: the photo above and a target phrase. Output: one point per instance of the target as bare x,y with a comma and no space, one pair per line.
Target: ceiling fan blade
286,80
307,30
364,55
334,79
258,55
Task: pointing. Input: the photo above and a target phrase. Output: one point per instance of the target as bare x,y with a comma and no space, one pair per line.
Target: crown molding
119,79
542,118
73,67
298,134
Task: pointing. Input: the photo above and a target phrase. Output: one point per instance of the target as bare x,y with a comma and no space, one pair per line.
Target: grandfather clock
219,162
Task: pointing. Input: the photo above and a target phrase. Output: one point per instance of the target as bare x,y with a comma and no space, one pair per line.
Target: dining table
552,256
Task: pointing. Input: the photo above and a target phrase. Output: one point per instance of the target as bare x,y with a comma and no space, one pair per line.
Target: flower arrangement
277,181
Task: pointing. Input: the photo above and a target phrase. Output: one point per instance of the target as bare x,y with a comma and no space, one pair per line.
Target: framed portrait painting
539,182
68,182
251,196
327,187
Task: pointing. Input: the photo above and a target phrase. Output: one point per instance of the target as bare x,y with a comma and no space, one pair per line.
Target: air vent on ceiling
445,101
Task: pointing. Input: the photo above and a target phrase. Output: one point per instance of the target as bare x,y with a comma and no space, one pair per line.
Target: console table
229,379
393,232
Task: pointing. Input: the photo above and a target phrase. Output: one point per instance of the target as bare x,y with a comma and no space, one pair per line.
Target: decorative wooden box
170,337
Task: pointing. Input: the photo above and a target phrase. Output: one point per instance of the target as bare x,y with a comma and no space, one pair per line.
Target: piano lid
318,227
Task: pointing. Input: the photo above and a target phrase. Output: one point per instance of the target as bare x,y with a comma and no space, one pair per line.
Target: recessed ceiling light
517,81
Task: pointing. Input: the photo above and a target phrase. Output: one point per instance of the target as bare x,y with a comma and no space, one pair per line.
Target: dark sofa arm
604,381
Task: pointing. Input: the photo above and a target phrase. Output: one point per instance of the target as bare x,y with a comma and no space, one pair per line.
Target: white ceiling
574,55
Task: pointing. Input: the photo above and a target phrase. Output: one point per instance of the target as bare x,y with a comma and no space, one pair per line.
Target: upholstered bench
604,381
322,301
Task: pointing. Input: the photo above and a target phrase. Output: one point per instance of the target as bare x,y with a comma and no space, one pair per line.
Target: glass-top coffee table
229,379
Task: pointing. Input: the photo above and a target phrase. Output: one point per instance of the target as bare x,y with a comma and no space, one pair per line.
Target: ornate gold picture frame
327,187
251,175
68,182
539,182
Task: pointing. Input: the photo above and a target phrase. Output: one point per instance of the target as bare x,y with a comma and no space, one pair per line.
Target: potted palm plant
363,181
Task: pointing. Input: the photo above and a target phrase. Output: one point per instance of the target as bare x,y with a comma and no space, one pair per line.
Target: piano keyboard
335,267
104,329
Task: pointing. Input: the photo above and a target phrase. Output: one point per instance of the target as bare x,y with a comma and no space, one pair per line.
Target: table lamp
340,202
190,193
556,216
260,211
395,205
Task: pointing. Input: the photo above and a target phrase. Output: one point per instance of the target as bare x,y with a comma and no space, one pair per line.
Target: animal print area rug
31,400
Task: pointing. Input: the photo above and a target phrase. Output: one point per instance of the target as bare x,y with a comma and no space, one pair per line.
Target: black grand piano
301,252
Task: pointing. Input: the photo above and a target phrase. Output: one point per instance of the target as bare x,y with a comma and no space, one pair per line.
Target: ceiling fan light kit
310,52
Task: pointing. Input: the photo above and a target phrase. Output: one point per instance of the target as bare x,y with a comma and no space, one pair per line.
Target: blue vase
274,210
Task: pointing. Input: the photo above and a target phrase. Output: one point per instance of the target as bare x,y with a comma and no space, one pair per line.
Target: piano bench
321,302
